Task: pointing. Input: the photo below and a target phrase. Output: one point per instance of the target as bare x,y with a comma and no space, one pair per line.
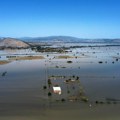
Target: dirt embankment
4,62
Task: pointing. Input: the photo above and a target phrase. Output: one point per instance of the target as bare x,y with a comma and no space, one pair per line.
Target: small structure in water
57,90
70,81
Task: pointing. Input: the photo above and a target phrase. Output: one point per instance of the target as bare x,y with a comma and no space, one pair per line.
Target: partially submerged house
57,90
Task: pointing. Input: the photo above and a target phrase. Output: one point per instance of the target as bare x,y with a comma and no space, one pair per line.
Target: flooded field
88,78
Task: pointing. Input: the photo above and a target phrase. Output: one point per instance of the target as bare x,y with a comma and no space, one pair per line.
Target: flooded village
39,81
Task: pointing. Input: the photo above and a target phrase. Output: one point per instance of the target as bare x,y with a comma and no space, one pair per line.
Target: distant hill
65,39
52,39
12,43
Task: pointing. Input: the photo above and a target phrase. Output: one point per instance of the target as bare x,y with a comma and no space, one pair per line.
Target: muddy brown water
22,96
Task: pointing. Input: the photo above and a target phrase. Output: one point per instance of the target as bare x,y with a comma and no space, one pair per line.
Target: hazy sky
78,18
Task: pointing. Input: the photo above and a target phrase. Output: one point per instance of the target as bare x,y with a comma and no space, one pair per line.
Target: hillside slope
13,43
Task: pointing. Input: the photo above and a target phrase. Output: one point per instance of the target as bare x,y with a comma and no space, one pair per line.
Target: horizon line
58,36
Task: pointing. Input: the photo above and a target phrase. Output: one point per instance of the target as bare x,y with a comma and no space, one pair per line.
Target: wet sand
64,57
27,58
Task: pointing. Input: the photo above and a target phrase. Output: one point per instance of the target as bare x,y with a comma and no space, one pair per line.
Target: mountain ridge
66,39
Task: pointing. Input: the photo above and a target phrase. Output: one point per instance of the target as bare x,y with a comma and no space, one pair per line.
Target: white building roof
57,90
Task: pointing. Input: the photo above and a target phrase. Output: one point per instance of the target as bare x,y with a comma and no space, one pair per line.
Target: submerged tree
49,94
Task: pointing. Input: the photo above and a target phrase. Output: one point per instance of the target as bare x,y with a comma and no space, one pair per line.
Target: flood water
22,96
